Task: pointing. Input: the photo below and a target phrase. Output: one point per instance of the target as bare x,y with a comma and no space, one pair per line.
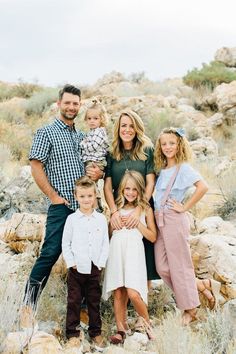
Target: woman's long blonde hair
139,182
184,153
140,142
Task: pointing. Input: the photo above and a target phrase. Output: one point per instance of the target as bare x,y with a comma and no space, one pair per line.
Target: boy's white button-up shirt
85,240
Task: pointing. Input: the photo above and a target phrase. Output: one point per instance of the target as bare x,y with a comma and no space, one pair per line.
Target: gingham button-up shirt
57,146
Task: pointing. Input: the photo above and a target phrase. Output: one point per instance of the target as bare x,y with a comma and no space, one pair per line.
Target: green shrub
40,101
159,120
22,89
210,75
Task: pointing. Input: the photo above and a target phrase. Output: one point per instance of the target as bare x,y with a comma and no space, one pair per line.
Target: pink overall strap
165,196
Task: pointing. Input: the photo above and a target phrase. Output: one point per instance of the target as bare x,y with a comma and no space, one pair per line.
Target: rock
216,120
223,166
226,97
214,225
185,108
205,148
21,194
43,342
14,343
230,312
227,56
217,259
25,227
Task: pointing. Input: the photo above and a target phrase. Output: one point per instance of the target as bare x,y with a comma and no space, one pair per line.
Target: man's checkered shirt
57,146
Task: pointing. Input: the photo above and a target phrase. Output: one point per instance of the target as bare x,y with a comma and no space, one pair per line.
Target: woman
131,150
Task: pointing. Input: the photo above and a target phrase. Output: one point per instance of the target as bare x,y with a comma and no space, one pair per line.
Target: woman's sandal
118,338
211,291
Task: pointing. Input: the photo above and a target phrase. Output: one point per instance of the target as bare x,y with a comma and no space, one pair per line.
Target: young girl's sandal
118,338
143,326
210,288
189,316
139,325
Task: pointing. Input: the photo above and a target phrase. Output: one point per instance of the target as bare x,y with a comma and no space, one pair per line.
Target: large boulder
205,148
25,226
227,56
214,250
226,96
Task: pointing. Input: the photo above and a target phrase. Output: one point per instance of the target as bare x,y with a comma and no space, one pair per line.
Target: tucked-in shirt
95,145
57,146
85,240
185,179
116,169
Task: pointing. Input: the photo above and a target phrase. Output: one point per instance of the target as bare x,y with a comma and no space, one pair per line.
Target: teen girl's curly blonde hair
96,104
140,142
184,152
139,182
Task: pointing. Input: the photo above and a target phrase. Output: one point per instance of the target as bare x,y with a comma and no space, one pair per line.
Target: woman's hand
133,219
116,221
176,206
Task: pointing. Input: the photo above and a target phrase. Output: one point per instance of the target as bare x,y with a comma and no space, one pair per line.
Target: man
55,161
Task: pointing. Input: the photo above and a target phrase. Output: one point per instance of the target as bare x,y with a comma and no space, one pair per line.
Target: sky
78,41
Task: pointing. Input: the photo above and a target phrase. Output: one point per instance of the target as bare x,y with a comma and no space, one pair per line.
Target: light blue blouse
185,179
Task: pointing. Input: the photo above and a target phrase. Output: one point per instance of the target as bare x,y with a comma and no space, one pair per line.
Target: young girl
172,250
95,144
126,272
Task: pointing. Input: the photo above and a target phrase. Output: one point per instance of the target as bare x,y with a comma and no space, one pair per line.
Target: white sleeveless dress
126,265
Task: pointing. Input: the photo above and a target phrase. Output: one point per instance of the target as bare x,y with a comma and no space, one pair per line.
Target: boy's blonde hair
96,104
85,182
140,143
139,182
184,152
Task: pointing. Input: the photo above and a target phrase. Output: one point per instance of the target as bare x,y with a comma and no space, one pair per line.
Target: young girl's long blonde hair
139,182
96,104
184,152
140,142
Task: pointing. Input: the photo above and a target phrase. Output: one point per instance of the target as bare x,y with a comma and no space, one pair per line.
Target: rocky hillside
208,114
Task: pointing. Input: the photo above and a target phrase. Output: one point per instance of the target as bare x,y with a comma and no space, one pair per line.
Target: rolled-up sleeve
41,147
150,161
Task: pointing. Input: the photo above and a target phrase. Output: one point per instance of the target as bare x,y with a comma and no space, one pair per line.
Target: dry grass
11,300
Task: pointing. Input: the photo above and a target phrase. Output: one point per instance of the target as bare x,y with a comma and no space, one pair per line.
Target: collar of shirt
94,214
60,124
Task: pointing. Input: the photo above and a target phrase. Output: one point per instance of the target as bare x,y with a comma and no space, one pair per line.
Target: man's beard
71,117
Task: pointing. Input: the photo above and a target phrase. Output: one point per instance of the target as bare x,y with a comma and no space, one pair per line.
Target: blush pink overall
172,253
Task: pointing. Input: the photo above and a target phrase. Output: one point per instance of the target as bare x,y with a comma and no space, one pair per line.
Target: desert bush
10,304
210,75
40,101
11,115
158,120
227,185
218,331
21,89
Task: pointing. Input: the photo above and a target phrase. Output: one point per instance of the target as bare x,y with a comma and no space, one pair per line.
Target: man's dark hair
69,89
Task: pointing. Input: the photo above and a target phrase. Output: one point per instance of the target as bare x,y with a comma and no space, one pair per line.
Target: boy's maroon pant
78,285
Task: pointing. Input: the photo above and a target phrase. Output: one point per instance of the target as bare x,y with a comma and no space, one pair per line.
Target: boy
85,247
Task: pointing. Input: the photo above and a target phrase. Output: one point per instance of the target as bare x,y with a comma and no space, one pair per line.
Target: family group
147,236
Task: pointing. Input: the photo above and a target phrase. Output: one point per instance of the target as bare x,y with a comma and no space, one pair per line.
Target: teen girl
172,250
126,272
